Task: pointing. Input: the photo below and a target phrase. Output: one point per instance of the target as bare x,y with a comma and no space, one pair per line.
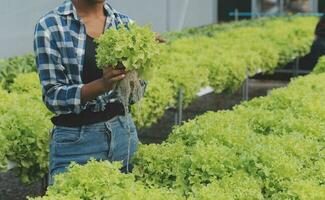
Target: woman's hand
108,82
111,76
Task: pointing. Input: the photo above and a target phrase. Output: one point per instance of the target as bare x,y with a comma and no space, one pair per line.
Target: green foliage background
269,148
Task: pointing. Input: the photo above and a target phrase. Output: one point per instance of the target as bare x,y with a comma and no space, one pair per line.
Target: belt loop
127,117
110,139
123,121
82,130
108,126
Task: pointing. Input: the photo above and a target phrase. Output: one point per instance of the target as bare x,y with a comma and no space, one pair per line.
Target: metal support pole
236,15
254,9
313,4
180,105
216,11
176,117
281,7
168,13
183,15
296,68
179,113
245,89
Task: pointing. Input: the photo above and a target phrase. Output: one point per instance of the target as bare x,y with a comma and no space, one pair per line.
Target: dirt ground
12,189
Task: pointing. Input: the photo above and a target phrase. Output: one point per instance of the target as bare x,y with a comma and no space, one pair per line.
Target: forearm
92,90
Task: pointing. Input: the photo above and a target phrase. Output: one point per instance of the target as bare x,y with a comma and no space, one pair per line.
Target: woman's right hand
108,82
111,76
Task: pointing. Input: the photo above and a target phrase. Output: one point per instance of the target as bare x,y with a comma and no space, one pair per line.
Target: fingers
111,76
118,72
109,73
118,78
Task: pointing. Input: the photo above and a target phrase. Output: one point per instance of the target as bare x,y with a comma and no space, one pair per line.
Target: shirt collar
67,8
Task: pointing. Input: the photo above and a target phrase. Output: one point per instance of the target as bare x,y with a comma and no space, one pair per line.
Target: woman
89,121
318,47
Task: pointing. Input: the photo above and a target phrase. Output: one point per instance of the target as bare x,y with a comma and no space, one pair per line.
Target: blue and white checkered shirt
59,46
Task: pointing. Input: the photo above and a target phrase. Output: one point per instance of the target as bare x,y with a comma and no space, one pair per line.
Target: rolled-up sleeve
59,94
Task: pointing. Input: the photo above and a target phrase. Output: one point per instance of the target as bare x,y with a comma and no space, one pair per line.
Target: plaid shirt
59,45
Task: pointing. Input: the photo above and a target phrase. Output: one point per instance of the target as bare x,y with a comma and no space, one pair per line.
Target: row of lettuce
219,55
24,126
222,58
269,148
210,30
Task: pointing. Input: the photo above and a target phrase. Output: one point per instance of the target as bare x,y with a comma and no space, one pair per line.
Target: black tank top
90,70
90,73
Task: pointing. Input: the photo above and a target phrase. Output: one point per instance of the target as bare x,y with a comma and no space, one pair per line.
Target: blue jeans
101,141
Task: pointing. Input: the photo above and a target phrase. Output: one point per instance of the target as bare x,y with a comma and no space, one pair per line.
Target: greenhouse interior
162,99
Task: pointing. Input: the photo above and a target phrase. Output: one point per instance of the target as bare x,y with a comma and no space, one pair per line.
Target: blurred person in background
295,6
318,47
270,7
